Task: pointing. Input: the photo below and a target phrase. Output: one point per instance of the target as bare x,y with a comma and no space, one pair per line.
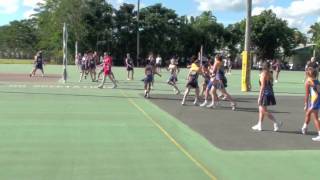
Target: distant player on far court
38,64
129,64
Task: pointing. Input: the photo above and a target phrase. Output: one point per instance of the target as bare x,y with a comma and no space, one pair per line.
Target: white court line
21,86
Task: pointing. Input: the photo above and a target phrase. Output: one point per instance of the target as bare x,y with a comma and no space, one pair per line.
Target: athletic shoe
183,102
233,106
212,105
316,138
276,81
195,102
304,131
114,86
128,79
256,127
148,95
204,104
277,126
100,87
178,92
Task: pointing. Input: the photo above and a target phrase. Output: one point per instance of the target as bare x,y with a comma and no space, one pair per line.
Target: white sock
259,123
304,126
318,133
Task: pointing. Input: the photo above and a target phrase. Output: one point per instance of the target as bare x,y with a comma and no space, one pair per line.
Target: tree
209,33
270,35
315,33
124,31
159,30
19,37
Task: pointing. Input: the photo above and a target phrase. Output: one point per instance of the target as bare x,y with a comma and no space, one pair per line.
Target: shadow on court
231,130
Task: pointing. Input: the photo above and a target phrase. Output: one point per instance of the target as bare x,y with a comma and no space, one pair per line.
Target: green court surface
76,131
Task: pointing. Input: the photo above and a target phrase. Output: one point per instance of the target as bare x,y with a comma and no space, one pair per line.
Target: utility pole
65,52
246,54
138,33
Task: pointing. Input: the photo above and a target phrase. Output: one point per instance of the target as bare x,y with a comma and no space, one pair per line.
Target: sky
299,13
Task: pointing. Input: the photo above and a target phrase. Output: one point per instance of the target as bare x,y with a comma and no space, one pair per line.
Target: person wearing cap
38,64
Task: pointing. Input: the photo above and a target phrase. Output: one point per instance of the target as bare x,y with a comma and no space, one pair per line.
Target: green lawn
16,61
67,133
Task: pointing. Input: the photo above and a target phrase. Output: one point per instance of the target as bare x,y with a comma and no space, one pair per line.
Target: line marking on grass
167,134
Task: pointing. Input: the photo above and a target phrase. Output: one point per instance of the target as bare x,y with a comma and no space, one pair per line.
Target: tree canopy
96,25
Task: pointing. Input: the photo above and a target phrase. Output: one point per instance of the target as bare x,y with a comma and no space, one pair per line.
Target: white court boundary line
48,86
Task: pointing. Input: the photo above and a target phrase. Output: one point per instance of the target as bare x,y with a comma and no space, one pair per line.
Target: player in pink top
107,64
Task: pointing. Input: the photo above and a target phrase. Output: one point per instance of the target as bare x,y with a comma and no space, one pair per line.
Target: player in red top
107,64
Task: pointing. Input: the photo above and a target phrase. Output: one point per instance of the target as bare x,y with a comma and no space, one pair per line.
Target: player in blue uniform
266,98
148,71
312,101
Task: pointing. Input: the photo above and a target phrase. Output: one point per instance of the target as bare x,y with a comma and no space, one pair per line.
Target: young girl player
38,64
84,67
266,98
193,81
107,64
129,64
174,70
312,101
148,71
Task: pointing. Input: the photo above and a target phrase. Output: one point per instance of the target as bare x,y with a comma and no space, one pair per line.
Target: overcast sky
299,13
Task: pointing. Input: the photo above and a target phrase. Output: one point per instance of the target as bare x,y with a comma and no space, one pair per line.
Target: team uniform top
220,81
92,62
313,99
84,63
193,76
129,64
39,62
267,98
173,71
107,63
149,74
